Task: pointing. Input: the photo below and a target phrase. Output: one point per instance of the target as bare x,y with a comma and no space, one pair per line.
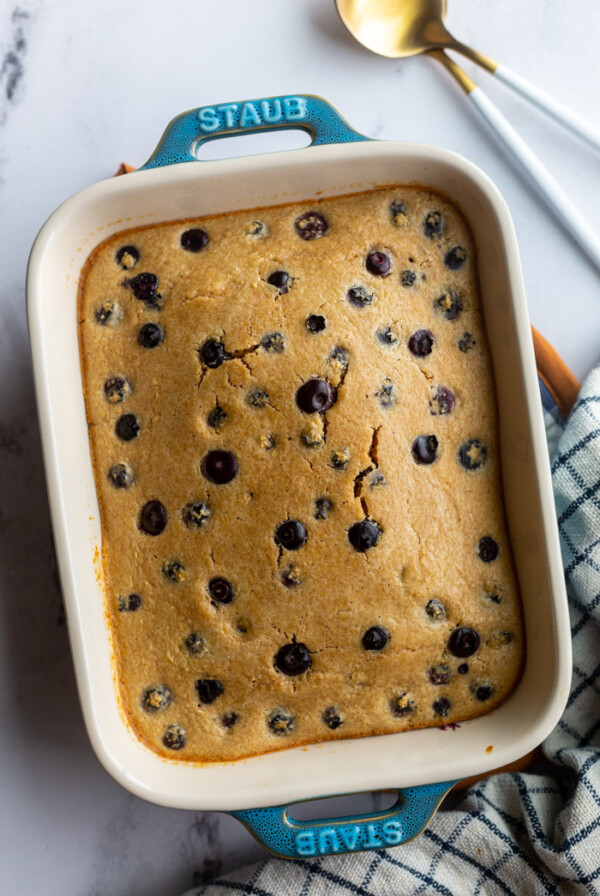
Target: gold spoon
398,28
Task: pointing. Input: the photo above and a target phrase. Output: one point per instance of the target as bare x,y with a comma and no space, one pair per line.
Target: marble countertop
86,86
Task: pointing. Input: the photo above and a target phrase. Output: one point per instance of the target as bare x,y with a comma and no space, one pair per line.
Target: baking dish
421,764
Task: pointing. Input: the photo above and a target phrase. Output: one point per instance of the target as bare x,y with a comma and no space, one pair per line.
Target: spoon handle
546,185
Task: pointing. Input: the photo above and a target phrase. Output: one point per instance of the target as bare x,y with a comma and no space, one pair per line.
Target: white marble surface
85,86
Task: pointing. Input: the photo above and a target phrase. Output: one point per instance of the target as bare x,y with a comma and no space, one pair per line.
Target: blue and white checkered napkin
521,834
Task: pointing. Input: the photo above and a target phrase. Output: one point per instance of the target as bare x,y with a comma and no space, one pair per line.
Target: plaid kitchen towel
516,833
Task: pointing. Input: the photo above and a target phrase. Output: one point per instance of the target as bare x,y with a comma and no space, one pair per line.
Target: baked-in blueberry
441,707
387,336
375,638
293,659
273,342
402,705
455,258
463,669
493,593
127,427
487,549
315,323
228,719
208,690
257,228
482,691
424,449
364,535
323,507
280,722
121,476
466,343
258,398
332,718
219,467
378,263
280,280
130,603
291,577
144,287
157,698
194,240
117,389
449,304
463,641
433,224
216,417
376,480
439,674
472,454
107,313
174,738
408,278
386,394
442,401
150,335
153,518
195,643
311,226
315,396
359,296
435,609
340,458
420,343
213,353
221,590
267,441
127,257
195,514
397,210
290,535
175,571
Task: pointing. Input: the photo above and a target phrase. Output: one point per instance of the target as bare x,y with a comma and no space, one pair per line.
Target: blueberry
442,401
359,296
195,643
387,336
311,226
441,707
219,467
463,641
487,549
267,441
449,304
144,287
174,738
408,278
281,722
153,518
455,258
290,535
221,591
130,603
280,280
435,609
397,210
332,718
433,225
439,674
323,507
466,343
157,698
257,228
216,417
258,399
127,257
340,459
378,264
290,577
127,427
386,395
472,454
117,389
376,480
175,571
228,719
420,343
338,359
402,705
212,353
364,535
208,690
315,396
493,593
107,313
273,342
293,659
121,476
375,638
316,323
482,691
195,514
463,669
194,240
424,449
150,335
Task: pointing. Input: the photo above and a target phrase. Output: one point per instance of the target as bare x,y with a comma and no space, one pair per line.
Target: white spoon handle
554,195
552,107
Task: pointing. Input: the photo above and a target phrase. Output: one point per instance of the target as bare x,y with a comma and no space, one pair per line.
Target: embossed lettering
392,831
268,116
305,844
209,120
349,836
229,109
249,115
323,845
372,840
294,107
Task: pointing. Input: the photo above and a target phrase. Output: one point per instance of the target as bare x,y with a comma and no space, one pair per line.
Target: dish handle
186,133
291,838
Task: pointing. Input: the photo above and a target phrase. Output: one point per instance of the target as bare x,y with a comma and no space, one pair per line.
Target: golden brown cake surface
293,426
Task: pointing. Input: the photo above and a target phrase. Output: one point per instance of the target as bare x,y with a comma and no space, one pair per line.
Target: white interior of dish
400,760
